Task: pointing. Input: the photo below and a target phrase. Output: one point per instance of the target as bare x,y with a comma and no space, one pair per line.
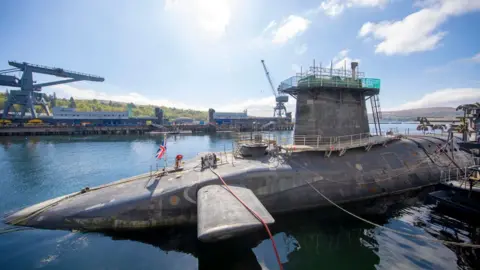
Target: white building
230,115
71,113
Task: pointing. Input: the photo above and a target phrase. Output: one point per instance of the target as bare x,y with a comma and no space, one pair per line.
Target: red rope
256,216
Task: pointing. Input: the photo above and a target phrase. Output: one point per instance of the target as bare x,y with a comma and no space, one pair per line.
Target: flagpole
165,154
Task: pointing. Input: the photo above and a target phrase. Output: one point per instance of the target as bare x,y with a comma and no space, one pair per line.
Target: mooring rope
383,227
257,216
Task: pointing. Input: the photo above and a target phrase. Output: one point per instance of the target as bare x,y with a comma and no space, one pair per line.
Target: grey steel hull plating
279,182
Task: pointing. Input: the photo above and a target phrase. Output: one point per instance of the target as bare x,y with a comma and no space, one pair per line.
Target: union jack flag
161,150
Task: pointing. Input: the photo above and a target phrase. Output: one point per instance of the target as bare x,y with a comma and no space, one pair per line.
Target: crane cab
281,99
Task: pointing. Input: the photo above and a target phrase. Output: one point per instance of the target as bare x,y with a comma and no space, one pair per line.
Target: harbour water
34,169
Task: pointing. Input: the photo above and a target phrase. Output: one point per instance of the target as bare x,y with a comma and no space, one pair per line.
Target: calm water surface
38,168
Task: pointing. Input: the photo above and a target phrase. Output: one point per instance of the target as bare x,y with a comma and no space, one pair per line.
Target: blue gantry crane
279,110
29,93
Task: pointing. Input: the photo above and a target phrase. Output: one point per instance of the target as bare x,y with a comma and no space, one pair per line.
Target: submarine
332,153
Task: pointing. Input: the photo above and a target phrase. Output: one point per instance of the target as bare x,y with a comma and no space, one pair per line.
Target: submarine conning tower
333,102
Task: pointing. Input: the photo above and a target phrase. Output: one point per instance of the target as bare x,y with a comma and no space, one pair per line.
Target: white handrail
316,141
336,141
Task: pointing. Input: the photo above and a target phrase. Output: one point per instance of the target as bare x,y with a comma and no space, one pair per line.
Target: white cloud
343,53
290,28
418,31
301,49
476,58
368,3
450,97
341,60
67,91
336,7
270,26
212,16
280,33
255,107
332,7
296,68
345,63
452,64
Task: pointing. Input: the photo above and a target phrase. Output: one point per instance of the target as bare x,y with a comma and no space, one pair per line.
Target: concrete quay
72,130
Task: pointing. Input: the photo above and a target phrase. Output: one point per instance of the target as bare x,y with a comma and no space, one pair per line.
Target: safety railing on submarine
456,173
318,142
453,174
258,137
315,142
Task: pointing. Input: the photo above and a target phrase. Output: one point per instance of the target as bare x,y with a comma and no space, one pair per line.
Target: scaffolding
318,76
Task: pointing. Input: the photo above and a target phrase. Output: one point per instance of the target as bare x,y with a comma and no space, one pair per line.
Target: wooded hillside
85,105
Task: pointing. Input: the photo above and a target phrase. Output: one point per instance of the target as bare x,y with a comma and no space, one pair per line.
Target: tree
53,100
72,103
463,127
467,108
440,127
423,127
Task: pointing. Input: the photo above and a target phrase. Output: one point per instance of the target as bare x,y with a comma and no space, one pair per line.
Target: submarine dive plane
332,150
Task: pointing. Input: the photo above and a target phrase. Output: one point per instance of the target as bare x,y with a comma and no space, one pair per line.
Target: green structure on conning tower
332,102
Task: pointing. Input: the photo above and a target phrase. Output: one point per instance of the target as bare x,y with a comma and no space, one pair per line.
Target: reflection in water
327,239
304,243
6,144
231,254
328,243
454,226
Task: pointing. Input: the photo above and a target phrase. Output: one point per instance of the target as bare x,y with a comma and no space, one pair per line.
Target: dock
72,130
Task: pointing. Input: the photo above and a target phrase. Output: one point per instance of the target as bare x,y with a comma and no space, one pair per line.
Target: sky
201,54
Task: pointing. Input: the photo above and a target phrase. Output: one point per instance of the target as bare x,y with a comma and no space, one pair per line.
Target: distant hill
91,105
412,114
173,113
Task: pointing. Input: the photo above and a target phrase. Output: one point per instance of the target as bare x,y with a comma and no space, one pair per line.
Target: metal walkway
338,144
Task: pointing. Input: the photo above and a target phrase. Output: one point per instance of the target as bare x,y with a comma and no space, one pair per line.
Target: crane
279,110
28,95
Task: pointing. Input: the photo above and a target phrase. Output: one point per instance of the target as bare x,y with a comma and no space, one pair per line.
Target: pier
123,130
72,130
440,120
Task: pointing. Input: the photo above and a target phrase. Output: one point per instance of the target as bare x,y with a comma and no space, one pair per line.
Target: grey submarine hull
279,182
